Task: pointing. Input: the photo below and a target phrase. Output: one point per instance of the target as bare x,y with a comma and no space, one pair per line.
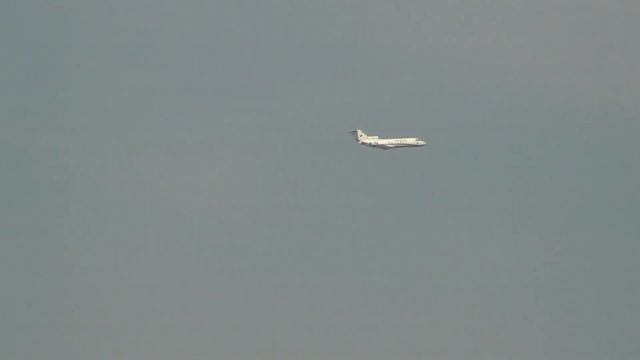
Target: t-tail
359,135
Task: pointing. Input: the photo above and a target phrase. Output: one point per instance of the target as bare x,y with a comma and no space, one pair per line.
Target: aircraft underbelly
389,146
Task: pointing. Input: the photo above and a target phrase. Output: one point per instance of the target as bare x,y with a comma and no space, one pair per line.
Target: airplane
385,144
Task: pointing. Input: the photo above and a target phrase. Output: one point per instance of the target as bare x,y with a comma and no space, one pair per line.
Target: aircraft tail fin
358,134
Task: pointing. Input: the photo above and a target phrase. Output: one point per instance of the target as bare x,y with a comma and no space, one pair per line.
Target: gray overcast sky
178,181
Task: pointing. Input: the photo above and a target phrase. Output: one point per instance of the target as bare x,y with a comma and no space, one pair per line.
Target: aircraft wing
381,147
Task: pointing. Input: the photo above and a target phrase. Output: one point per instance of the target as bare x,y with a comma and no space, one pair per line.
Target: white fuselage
386,144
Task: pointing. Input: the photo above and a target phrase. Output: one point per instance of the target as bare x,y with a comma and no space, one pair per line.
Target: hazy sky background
178,181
